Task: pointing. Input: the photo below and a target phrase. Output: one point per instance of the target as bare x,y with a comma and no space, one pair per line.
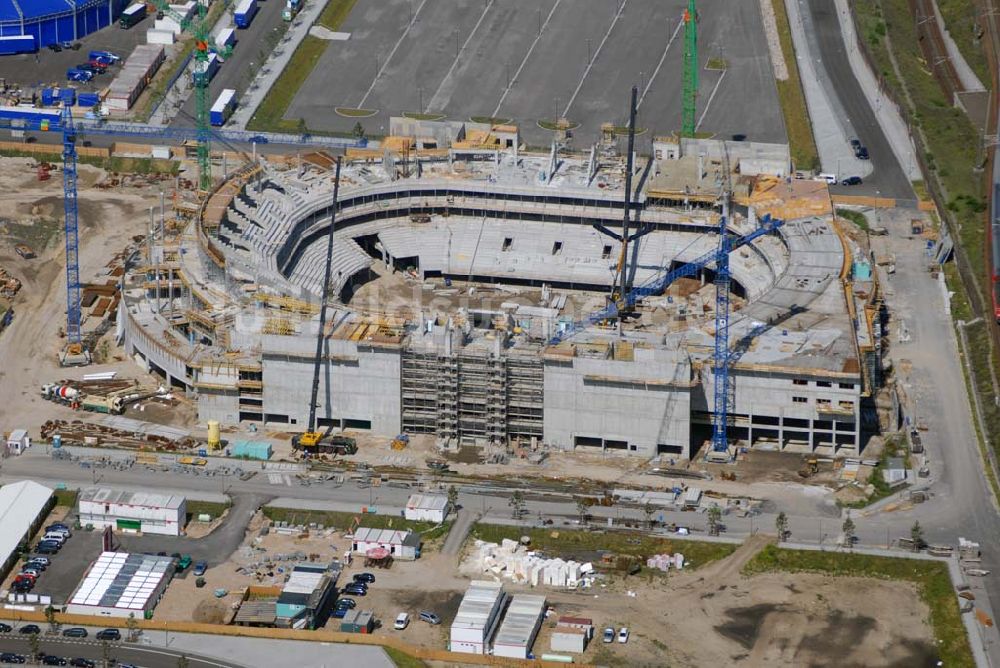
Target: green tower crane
689,102
200,29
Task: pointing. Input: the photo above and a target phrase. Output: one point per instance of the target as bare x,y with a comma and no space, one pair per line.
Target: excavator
313,441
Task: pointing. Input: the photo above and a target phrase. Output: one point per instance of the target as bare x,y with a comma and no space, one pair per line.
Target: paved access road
827,46
147,657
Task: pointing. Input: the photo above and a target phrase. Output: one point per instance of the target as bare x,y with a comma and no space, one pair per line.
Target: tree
714,517
359,130
648,510
34,642
132,626
781,524
516,503
848,528
50,617
917,536
453,497
582,509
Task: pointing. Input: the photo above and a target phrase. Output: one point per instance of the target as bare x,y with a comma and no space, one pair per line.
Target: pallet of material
101,308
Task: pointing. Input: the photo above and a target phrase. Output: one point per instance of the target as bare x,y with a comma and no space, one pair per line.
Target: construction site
483,295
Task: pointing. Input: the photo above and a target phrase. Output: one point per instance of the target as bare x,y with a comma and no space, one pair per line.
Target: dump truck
315,443
96,404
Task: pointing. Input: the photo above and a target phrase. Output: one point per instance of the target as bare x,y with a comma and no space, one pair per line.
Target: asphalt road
888,179
147,657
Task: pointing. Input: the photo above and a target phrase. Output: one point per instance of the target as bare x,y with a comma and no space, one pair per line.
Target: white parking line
663,56
391,54
593,59
710,98
434,99
526,56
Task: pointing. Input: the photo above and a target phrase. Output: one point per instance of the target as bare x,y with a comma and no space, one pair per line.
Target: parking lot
541,60
48,67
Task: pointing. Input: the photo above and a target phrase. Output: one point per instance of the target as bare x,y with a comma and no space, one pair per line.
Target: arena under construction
464,270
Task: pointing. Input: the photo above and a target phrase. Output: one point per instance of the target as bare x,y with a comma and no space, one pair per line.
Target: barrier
35,149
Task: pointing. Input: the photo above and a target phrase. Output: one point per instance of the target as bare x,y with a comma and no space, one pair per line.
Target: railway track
933,47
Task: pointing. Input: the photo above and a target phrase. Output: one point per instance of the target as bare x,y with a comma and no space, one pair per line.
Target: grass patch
961,18
417,116
210,508
930,577
492,120
355,113
403,660
335,13
339,520
66,497
855,217
269,116
792,99
577,542
716,64
38,235
920,189
556,125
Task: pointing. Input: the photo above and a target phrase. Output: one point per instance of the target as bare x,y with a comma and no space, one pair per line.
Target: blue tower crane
74,352
720,366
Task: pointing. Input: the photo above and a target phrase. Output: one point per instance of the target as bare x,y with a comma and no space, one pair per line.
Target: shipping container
223,108
158,36
226,38
35,119
244,13
67,96
50,96
88,99
210,67
132,15
12,44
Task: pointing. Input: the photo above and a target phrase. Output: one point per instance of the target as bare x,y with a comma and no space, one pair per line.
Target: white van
831,179
402,621
58,537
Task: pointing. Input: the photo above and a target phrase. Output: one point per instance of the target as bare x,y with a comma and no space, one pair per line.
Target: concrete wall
612,400
356,383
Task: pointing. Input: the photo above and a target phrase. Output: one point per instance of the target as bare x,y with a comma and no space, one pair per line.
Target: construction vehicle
98,404
192,461
314,442
400,442
810,468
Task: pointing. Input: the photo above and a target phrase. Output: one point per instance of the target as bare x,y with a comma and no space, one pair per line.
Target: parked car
348,603
609,635
402,621
367,578
10,657
87,67
75,632
623,635
70,45
53,660
109,634
200,568
855,144
852,181
861,153
355,589
107,56
47,548
5,628
74,74
28,570
339,613
55,537
40,560
83,663
98,64
29,629
55,47
57,525
183,562
430,617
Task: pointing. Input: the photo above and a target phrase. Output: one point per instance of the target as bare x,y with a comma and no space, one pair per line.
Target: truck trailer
132,15
245,11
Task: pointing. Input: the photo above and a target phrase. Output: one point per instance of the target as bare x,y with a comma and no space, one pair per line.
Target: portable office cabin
11,44
520,626
426,508
18,441
403,545
252,450
477,618
133,511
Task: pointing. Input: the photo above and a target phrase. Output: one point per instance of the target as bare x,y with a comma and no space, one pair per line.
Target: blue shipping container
244,13
67,96
88,99
223,107
17,44
49,96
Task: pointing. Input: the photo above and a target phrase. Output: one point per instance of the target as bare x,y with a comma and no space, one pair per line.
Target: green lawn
577,542
792,99
403,660
855,217
334,14
962,18
66,497
214,510
269,116
930,577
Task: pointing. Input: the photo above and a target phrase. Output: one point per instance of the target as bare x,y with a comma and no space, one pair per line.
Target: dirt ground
33,214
